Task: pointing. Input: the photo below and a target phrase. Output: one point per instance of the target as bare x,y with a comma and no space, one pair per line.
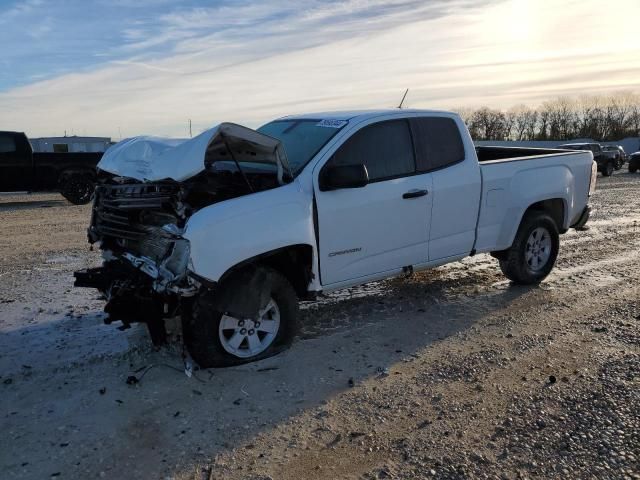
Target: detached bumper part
138,290
170,274
92,278
130,296
584,218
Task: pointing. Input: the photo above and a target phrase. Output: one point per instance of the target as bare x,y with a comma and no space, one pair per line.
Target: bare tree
544,120
603,118
590,116
634,120
488,124
518,126
465,113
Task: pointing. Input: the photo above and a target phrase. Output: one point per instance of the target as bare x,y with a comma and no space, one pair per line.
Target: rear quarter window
437,142
60,148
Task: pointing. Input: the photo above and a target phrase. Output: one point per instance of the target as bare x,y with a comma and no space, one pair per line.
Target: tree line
601,118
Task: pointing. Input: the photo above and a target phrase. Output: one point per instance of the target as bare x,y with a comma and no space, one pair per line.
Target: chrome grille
130,217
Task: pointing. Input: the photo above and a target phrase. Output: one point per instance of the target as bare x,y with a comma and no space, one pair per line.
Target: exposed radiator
130,218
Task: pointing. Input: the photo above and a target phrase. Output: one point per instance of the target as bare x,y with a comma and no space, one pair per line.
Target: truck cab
16,162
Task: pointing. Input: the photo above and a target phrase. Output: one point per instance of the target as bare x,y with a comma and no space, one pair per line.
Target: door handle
415,193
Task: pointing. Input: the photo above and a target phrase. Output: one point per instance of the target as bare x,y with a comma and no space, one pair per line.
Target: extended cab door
457,184
15,162
384,225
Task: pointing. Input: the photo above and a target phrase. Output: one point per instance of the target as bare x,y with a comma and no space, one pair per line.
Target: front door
15,164
383,226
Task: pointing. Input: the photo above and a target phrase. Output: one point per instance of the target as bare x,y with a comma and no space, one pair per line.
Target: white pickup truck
229,229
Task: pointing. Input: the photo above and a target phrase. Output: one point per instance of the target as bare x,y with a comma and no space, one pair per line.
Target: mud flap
244,294
584,218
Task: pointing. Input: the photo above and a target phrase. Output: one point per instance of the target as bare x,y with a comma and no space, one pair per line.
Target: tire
619,163
608,169
212,345
633,169
518,263
78,189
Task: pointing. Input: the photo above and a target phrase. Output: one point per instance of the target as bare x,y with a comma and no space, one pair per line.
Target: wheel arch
67,173
294,262
556,209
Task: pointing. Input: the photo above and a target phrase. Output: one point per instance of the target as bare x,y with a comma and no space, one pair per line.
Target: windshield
302,138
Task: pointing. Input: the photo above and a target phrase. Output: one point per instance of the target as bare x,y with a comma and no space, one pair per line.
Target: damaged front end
138,219
145,270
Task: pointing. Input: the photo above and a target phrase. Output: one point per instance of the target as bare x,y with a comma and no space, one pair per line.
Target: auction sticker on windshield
332,123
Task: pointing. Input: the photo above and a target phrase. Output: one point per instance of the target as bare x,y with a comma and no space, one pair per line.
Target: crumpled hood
149,158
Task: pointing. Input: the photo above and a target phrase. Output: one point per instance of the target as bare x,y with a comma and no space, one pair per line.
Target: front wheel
219,331
534,251
608,169
633,169
78,189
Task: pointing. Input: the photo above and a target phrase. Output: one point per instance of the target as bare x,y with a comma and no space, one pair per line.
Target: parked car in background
621,155
231,228
606,160
22,169
634,162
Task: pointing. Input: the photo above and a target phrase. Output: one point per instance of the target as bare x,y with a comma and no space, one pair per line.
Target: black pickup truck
22,169
607,160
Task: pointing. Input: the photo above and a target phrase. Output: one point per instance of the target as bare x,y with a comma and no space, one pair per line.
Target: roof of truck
351,114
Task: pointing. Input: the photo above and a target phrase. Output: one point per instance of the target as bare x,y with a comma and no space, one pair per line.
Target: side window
60,148
385,148
7,144
438,142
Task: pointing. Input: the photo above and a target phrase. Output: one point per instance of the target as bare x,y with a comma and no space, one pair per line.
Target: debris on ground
470,355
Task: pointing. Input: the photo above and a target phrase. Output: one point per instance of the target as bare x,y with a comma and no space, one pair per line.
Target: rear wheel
534,251
78,189
633,169
619,163
218,337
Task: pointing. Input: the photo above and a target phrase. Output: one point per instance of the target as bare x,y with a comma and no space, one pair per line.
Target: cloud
19,9
48,38
144,65
245,62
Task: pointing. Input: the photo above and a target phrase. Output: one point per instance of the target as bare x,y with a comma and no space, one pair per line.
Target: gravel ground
452,373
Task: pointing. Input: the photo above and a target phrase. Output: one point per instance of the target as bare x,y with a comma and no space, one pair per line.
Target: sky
121,68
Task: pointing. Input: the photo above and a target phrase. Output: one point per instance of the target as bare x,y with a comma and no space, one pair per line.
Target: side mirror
343,176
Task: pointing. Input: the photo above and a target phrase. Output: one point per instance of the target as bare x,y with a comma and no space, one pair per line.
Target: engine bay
138,226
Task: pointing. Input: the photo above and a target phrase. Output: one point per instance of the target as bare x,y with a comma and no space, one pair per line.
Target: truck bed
501,154
515,178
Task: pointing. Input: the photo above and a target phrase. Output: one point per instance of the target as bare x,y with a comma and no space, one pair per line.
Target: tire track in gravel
457,342
448,410
565,345
526,315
